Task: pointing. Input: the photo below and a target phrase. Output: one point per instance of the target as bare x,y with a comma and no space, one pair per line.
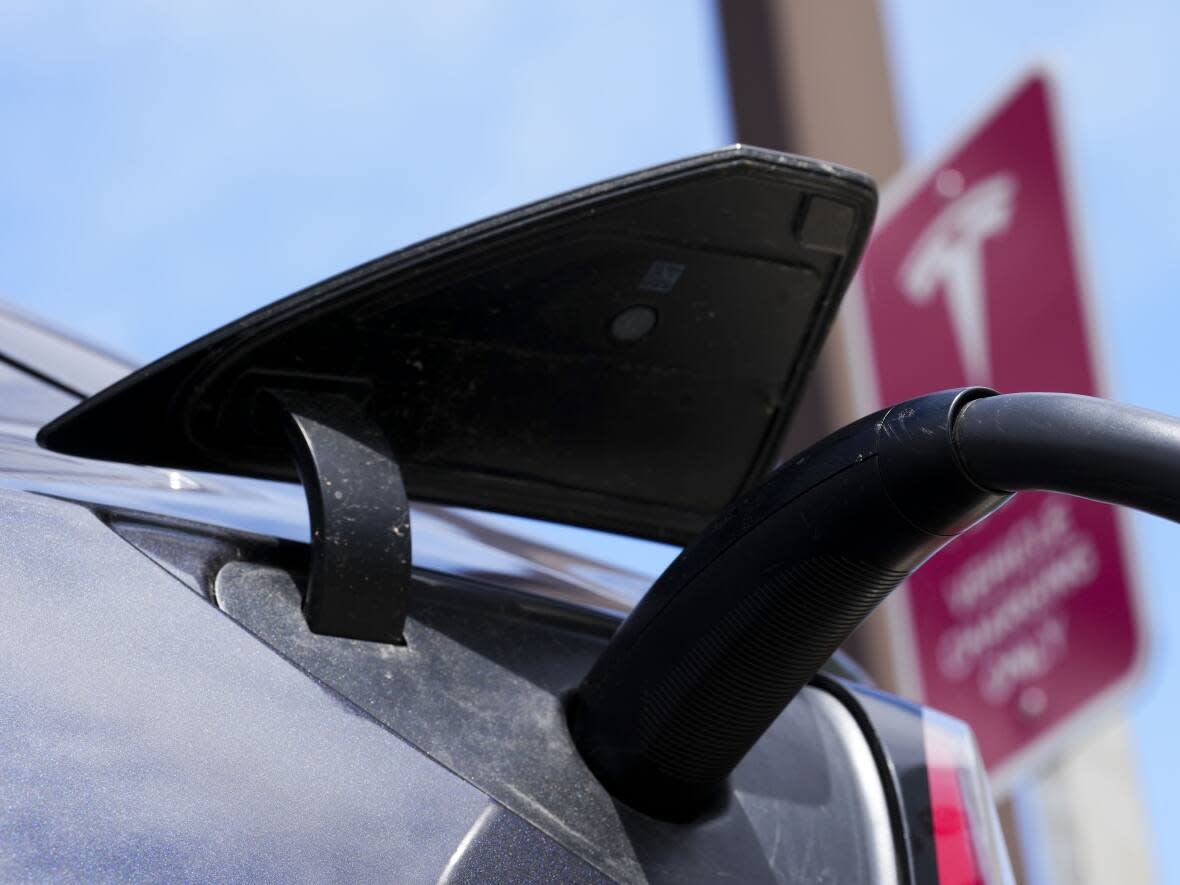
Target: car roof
57,357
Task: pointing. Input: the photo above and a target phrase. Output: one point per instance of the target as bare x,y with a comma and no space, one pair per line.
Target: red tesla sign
971,277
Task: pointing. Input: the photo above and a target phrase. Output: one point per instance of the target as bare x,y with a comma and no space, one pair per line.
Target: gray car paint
147,736
479,686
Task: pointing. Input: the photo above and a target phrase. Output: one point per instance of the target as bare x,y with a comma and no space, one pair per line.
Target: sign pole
813,79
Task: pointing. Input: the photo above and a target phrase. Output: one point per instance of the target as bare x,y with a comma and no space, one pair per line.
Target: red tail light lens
967,838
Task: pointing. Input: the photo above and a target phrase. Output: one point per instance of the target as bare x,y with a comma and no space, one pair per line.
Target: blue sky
167,167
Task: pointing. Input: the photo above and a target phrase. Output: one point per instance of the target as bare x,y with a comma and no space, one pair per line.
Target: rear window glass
29,400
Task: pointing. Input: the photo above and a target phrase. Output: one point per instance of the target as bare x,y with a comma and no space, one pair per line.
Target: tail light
968,842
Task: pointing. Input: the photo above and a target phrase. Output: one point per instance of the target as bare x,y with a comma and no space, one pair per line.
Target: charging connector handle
751,610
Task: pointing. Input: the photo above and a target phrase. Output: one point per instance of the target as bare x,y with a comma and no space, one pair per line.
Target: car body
169,715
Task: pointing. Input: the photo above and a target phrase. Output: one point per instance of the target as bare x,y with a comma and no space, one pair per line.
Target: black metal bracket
359,581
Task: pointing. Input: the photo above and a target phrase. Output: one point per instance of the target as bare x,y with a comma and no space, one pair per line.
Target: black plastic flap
624,356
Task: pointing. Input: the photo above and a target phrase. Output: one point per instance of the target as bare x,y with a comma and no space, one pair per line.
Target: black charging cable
1079,445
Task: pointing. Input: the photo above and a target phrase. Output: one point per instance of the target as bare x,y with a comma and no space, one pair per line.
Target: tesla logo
948,257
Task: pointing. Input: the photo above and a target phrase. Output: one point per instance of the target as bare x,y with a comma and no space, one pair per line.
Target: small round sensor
633,323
